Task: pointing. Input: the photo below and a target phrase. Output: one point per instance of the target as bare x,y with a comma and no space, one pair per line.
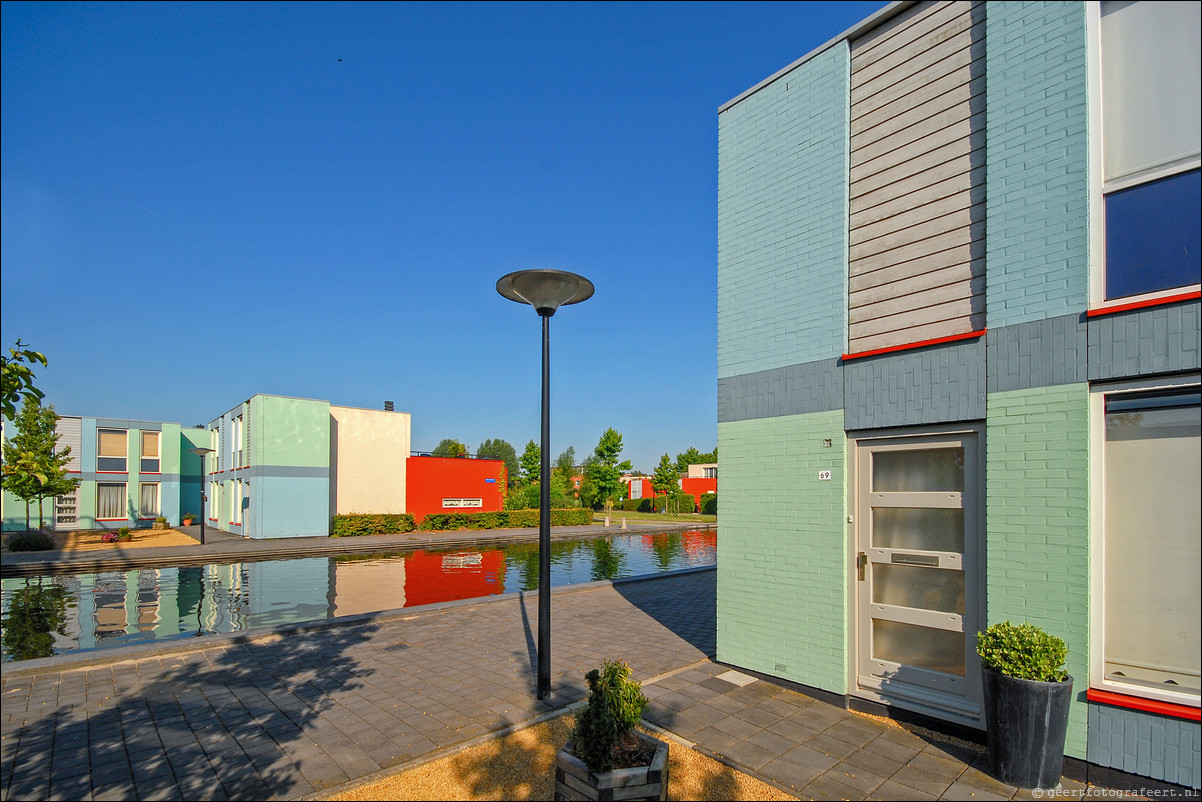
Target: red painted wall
648,491
432,479
695,487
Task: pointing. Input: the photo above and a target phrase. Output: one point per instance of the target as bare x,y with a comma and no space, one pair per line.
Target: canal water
47,615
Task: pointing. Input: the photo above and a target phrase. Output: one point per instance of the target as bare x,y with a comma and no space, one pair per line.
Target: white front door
916,573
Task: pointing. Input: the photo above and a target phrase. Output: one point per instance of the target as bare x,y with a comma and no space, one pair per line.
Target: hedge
358,524
636,504
503,519
709,503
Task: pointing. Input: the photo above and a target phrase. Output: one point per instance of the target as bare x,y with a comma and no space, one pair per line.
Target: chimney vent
388,406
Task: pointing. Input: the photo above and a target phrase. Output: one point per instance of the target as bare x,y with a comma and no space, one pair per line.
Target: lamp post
202,452
546,290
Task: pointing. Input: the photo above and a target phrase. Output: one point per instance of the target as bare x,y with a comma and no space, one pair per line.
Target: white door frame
957,701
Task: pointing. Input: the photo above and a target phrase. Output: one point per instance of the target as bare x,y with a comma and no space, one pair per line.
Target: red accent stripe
1146,705
1168,299
969,335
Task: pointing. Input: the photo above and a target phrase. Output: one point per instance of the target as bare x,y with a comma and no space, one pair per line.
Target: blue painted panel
287,507
1154,236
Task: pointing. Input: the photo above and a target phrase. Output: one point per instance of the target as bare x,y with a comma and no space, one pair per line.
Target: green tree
694,457
605,472
449,448
16,377
666,478
500,449
35,613
532,462
34,467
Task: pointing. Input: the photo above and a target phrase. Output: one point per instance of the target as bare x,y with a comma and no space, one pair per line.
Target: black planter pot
1025,723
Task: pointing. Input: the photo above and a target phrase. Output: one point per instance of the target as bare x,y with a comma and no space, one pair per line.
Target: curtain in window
149,506
110,501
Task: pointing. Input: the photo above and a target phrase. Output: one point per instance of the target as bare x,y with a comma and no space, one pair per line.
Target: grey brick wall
792,390
939,384
1146,744
1141,342
1039,353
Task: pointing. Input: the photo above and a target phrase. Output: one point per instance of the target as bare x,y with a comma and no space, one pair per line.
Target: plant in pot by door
1027,694
607,757
187,519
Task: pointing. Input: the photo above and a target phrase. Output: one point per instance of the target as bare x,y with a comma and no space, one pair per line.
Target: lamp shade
544,289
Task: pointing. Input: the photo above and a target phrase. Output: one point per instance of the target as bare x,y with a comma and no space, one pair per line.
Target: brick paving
304,711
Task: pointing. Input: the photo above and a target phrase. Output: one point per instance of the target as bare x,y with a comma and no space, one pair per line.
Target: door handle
861,563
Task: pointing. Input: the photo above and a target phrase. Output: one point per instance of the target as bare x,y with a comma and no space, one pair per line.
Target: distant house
958,364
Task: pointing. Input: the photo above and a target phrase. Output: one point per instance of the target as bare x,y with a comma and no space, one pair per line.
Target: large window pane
1152,555
110,501
1150,84
111,448
150,452
149,505
1154,236
912,470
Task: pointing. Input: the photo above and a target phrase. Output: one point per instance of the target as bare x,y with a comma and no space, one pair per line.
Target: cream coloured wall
368,450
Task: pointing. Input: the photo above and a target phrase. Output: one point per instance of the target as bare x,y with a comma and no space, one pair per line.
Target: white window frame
142,451
1097,601
99,456
124,500
1099,188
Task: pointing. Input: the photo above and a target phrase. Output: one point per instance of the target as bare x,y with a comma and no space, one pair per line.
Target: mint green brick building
958,365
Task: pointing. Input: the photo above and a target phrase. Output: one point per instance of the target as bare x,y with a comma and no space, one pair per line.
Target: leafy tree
694,457
532,462
666,478
605,472
34,468
449,448
500,449
565,463
35,613
16,377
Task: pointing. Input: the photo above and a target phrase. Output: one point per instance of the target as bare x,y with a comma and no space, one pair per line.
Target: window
1151,610
110,502
710,473
636,488
238,502
236,444
150,453
1151,147
148,504
111,450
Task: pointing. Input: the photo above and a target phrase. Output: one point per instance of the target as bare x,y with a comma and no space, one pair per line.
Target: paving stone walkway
302,712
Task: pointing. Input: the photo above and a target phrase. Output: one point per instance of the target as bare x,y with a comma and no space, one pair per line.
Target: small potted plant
187,519
124,535
1027,694
606,753
160,523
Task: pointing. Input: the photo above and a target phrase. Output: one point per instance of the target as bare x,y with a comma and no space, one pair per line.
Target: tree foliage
666,477
532,462
605,472
694,457
34,467
16,374
502,450
449,448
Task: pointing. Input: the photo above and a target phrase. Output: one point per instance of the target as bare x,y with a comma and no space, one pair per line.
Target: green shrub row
636,505
358,524
504,519
709,503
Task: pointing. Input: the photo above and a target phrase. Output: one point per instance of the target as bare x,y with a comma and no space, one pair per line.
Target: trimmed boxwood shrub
636,504
709,503
443,521
1022,651
358,524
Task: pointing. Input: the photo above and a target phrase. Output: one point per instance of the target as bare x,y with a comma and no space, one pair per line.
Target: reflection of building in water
367,585
432,577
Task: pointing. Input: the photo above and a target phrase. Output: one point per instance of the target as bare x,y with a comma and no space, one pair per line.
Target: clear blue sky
206,201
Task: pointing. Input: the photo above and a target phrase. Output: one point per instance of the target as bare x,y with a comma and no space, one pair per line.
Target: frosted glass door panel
920,588
916,471
921,647
918,529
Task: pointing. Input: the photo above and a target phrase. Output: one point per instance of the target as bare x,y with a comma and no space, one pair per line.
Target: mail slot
915,559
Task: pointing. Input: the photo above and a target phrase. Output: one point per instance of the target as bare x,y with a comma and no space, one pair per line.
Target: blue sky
201,202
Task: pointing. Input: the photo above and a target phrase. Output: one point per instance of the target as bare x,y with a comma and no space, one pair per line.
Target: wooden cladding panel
917,178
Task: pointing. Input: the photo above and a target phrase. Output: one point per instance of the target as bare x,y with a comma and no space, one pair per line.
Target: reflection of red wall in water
429,480
693,543
696,486
432,577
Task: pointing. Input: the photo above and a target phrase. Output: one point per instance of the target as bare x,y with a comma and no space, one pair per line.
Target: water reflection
49,615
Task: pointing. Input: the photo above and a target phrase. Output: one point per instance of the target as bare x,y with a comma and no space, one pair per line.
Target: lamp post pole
202,452
546,291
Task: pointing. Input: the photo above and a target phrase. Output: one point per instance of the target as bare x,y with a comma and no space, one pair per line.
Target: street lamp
201,452
545,290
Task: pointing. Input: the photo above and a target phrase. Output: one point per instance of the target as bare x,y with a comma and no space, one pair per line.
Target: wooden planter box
573,780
